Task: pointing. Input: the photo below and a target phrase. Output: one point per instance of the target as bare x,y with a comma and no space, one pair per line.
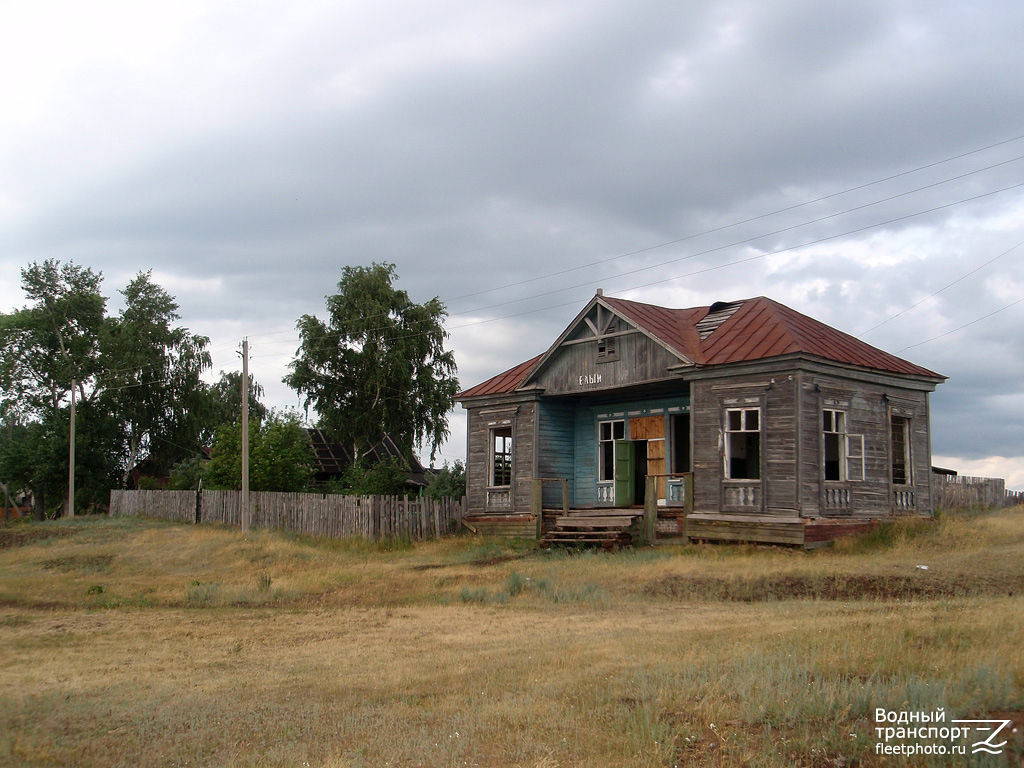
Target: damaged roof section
727,333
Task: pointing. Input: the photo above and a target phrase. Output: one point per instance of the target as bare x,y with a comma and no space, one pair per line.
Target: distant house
334,457
754,422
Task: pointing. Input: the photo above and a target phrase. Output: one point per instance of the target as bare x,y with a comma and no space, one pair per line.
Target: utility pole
71,457
246,521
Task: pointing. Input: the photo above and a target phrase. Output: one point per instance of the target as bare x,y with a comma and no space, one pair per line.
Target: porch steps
609,529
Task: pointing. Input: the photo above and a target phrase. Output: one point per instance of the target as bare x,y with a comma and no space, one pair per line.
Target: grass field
128,642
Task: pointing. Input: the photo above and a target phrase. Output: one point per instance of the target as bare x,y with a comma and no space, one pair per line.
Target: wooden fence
334,516
959,491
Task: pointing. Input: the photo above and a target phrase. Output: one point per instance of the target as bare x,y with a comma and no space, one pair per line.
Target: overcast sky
857,161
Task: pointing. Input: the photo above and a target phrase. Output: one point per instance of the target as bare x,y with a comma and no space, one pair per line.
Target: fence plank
334,516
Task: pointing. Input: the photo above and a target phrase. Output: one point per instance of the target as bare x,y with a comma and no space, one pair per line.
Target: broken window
743,444
501,457
607,349
900,429
608,433
834,428
680,428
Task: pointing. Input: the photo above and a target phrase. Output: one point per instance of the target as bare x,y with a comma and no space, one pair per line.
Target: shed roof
729,333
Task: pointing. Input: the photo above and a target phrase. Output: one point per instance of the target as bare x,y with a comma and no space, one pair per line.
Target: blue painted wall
556,450
567,439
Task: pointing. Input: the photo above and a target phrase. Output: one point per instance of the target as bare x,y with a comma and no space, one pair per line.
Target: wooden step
609,512
593,522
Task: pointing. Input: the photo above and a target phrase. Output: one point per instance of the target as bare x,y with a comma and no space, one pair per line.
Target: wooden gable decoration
600,349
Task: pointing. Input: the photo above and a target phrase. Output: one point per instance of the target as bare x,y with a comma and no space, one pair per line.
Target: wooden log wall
332,516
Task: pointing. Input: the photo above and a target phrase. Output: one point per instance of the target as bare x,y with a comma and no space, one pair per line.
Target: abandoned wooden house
741,421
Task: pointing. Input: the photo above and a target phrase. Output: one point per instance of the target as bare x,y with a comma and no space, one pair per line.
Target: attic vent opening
717,314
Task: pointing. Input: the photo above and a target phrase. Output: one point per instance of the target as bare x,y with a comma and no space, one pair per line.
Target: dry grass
141,643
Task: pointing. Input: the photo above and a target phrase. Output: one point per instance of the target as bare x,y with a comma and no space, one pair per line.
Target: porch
656,521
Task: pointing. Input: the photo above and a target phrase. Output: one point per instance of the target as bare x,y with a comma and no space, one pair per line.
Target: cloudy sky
860,162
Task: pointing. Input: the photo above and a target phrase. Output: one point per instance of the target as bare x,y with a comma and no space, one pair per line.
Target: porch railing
537,499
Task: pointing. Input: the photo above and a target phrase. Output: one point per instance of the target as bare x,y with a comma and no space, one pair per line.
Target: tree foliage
280,456
226,399
151,377
383,478
378,364
135,376
52,343
448,482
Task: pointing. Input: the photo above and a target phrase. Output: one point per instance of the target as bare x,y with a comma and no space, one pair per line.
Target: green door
625,462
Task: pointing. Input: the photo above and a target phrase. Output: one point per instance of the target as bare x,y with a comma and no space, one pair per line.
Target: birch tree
377,365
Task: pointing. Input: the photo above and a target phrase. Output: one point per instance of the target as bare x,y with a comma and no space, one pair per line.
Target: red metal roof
503,382
756,329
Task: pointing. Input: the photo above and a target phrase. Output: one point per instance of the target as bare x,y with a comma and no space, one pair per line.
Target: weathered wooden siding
774,493
868,406
707,448
556,447
574,368
779,436
520,414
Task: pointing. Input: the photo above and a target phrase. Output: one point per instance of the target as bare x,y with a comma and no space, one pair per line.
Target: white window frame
833,428
743,421
603,441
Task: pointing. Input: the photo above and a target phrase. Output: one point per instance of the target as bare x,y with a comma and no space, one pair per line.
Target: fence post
649,529
537,504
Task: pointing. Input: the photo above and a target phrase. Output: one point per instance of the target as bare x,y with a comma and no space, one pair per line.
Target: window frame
741,430
607,349
607,444
833,429
506,434
905,434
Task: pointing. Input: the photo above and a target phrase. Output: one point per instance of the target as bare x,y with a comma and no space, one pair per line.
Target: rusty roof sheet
763,328
503,382
675,328
754,329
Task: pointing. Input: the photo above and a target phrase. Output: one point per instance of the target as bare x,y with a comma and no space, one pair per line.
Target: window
900,428
743,444
501,457
607,349
680,427
608,433
834,428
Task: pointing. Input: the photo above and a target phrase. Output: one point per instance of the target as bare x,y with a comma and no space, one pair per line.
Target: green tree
378,364
226,399
151,378
46,349
280,456
383,478
47,346
448,482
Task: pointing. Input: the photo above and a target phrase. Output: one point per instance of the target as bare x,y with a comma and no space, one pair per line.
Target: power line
763,235
943,288
965,325
729,226
745,221
705,270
